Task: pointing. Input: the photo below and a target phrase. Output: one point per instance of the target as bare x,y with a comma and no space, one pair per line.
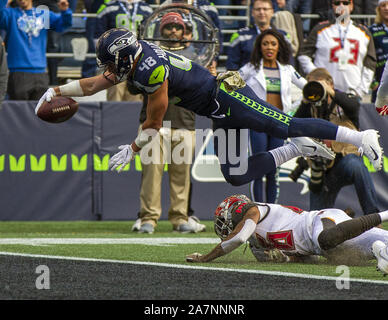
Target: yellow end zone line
193,267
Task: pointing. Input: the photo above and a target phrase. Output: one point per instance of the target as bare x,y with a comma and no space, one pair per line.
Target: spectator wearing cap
379,32
179,132
172,27
209,9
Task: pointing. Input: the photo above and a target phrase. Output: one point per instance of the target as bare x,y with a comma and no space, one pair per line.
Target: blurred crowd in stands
22,22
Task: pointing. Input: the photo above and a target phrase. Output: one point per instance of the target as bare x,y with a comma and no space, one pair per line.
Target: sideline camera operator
328,177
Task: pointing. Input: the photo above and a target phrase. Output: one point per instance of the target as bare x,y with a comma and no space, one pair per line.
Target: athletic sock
347,135
284,153
383,215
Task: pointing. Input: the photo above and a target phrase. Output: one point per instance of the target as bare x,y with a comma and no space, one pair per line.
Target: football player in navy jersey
165,76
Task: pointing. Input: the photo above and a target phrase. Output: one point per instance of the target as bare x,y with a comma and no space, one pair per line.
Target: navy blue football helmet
116,51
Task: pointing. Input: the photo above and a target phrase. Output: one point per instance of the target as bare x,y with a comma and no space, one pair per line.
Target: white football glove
47,96
122,157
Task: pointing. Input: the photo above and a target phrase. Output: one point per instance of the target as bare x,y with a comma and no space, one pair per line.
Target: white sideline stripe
181,266
145,241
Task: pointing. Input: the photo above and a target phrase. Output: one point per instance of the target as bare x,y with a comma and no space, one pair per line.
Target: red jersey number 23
354,50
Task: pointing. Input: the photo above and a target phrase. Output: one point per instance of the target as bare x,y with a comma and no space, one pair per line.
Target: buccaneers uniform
295,232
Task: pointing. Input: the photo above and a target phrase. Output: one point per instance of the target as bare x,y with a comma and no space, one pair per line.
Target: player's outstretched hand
47,96
383,111
194,257
276,255
122,157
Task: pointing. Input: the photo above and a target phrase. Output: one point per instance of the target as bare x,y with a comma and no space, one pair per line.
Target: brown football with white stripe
59,109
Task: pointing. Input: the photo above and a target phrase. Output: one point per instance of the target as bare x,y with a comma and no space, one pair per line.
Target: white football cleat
309,147
136,226
194,223
380,251
371,148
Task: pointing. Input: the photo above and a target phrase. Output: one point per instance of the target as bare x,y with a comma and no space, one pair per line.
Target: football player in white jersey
381,102
290,233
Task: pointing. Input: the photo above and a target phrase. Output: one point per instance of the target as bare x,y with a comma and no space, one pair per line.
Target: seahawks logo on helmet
122,42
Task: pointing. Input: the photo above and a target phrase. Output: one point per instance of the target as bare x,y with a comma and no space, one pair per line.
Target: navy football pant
242,109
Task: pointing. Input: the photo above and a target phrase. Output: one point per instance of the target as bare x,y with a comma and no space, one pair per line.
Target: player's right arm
79,88
237,237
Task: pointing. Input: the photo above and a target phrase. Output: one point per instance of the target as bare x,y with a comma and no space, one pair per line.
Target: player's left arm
240,235
156,108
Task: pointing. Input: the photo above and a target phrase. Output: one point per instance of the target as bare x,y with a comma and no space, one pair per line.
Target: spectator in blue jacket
26,41
241,43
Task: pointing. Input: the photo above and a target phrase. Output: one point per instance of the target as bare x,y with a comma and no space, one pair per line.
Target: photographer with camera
321,100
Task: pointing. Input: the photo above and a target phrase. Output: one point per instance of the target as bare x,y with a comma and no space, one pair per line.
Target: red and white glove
383,111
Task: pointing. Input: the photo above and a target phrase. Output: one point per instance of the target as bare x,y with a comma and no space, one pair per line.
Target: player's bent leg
332,236
367,141
265,162
258,165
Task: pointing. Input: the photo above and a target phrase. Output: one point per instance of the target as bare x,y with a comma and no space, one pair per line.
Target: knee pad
334,235
330,238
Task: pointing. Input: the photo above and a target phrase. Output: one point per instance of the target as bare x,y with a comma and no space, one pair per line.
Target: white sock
347,135
284,153
383,215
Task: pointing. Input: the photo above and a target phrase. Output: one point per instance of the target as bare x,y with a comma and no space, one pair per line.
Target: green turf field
121,244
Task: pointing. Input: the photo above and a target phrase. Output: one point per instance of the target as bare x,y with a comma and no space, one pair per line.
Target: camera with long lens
302,165
314,92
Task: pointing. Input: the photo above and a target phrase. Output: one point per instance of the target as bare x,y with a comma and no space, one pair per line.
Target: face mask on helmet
224,214
117,50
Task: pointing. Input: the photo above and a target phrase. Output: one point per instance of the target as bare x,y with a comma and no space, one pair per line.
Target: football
59,109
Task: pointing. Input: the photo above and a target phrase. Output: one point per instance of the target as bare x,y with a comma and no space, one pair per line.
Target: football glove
383,111
122,157
276,255
47,96
194,257
232,80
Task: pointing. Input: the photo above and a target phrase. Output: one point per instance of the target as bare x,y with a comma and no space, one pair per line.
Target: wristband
72,89
143,137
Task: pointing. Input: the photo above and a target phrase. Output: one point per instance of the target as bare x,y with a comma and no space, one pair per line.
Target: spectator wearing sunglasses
343,47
